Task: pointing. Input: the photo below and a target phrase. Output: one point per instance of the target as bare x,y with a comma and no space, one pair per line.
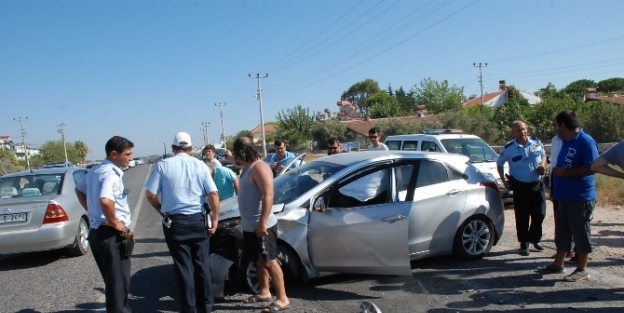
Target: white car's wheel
474,238
288,262
81,242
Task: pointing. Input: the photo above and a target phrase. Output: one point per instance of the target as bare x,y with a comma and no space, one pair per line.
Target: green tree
604,122
383,105
476,120
439,96
577,88
540,116
407,102
611,84
8,162
505,115
81,149
549,92
52,151
324,130
359,93
395,126
295,126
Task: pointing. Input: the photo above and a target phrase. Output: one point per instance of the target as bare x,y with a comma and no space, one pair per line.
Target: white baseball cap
182,140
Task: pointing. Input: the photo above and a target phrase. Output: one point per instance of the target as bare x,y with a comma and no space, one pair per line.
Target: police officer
527,163
184,182
101,192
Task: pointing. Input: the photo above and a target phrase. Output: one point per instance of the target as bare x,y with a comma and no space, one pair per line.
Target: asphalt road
504,281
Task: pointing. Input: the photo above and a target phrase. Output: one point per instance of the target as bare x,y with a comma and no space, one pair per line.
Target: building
592,94
496,99
256,133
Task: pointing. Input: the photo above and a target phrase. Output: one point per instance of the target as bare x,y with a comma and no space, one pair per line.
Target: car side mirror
319,205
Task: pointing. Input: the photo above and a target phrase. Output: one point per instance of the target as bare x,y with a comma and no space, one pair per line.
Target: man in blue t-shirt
613,156
575,189
226,181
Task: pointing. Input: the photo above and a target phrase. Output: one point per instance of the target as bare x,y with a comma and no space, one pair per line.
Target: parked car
58,164
39,211
419,205
138,161
481,155
92,164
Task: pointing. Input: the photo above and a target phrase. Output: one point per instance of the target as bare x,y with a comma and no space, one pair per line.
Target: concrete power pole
62,131
204,130
23,132
259,95
221,105
480,65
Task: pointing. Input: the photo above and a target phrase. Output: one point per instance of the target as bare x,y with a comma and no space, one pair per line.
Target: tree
407,102
577,88
383,105
611,84
359,92
295,126
324,130
540,116
52,151
439,96
81,149
604,122
549,92
8,162
476,120
505,115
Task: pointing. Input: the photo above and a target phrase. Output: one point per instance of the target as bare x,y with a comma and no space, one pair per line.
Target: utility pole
204,130
62,131
480,65
221,105
23,132
259,96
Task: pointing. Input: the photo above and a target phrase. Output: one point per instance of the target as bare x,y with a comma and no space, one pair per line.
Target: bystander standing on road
226,181
281,157
555,147
333,146
209,154
576,193
527,163
375,137
255,200
184,183
613,156
101,192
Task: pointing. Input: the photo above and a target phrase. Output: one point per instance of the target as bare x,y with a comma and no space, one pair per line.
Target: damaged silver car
373,212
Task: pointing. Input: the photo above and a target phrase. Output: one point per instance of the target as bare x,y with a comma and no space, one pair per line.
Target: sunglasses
373,137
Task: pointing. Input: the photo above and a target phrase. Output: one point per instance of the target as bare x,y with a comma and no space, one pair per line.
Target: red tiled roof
486,97
267,129
616,100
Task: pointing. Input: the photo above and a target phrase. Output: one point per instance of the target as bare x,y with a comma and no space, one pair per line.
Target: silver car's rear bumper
48,237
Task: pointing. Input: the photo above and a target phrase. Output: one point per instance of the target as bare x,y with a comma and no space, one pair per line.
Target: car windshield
300,180
474,148
30,186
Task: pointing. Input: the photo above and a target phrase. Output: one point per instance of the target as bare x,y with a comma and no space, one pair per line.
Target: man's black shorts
264,249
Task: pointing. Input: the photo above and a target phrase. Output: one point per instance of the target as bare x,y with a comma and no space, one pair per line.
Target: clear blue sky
148,69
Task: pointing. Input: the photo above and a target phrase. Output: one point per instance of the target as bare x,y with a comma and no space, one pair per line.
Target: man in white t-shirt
375,137
209,153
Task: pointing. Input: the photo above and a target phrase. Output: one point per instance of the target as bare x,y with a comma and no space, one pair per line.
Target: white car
481,155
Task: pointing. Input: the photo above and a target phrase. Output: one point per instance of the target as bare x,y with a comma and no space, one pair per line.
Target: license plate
13,218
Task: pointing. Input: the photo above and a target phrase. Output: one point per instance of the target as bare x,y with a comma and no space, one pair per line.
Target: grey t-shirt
615,154
250,202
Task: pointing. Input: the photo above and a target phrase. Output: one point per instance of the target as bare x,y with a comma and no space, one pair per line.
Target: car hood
490,171
229,208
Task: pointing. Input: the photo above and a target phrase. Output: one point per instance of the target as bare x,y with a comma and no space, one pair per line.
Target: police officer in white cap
184,183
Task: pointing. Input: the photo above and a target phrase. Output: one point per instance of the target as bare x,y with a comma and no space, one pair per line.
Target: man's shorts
573,221
261,249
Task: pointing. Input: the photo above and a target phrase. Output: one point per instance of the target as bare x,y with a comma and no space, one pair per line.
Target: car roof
429,136
51,170
355,157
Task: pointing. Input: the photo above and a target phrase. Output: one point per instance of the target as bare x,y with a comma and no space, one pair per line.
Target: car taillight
54,214
490,184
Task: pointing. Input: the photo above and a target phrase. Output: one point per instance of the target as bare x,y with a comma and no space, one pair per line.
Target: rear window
393,144
30,186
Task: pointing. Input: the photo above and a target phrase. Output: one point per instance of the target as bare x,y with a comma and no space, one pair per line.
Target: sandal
274,308
257,299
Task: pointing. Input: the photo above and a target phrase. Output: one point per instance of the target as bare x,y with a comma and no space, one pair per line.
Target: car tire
474,238
81,242
288,260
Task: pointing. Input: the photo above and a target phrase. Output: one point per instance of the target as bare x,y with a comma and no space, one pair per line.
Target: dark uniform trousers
189,245
115,269
529,201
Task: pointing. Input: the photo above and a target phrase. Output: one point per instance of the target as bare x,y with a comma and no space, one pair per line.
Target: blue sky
148,69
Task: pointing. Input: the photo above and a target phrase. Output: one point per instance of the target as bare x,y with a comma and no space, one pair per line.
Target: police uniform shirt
105,181
523,160
183,182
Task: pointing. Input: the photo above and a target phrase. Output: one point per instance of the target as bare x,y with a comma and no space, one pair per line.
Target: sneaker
550,269
524,249
577,275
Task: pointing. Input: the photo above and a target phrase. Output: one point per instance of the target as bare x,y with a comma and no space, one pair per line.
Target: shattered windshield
300,180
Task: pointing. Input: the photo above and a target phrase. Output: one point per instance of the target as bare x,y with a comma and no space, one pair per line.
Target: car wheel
474,238
288,261
81,243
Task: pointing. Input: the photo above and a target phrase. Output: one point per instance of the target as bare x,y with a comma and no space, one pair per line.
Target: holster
127,243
